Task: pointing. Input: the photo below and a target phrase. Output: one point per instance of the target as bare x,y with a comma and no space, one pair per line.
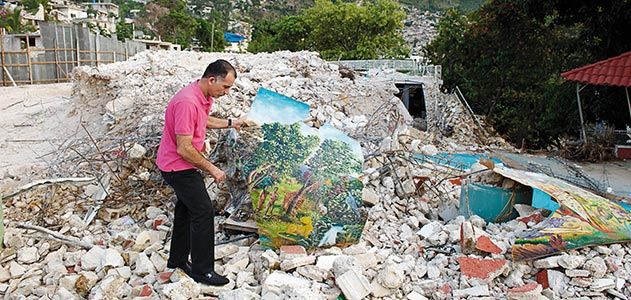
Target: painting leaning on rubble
582,219
302,182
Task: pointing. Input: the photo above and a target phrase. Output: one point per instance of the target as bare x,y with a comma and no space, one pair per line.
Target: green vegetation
465,6
507,58
351,31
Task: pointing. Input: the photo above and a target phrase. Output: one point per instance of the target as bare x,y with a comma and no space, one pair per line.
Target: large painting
581,219
302,182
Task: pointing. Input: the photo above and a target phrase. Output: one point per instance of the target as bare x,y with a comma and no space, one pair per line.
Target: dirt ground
34,122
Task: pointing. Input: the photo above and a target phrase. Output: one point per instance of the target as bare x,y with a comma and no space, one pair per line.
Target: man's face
220,86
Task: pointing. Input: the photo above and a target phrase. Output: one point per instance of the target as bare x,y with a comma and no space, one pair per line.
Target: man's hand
217,174
238,123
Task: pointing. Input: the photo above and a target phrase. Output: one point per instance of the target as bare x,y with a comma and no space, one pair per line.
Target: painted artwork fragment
581,219
302,182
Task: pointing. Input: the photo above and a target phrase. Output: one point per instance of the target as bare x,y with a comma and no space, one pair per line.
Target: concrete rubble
116,246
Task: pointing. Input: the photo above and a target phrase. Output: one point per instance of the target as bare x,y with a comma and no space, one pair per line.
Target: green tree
507,58
332,160
204,35
337,30
124,31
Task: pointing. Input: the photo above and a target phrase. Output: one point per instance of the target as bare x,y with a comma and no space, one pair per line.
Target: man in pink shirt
180,160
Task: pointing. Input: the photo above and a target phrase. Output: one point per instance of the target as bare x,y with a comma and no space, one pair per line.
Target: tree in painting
332,160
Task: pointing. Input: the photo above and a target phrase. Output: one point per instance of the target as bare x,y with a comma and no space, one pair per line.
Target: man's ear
212,79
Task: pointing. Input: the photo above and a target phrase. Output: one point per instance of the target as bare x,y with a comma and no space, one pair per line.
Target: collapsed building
98,223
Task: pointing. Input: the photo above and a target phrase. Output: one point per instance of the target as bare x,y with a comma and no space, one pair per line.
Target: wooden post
96,47
77,43
2,49
57,75
28,60
580,111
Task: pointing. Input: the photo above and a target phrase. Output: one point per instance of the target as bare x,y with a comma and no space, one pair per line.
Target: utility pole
212,37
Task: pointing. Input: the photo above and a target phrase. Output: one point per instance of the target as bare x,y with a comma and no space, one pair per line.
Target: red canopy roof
612,71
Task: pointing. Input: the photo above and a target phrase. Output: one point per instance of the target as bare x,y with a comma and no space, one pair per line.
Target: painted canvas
581,219
302,182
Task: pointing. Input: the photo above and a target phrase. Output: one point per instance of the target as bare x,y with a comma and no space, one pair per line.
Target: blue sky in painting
269,107
329,132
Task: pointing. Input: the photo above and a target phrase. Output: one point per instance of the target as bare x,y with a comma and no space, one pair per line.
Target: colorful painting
581,219
302,182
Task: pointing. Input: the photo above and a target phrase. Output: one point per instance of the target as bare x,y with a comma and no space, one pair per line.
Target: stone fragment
16,270
225,251
415,296
312,272
147,238
486,269
476,291
379,290
354,285
4,275
448,213
485,244
143,266
552,279
28,255
367,260
111,258
159,262
577,273
291,264
547,263
184,289
111,287
343,263
602,284
278,281
91,260
370,197
325,262
430,229
597,266
239,294
391,276
529,291
136,151
271,259
571,261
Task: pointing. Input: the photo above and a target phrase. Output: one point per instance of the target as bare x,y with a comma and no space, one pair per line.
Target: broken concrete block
547,263
279,281
143,266
28,255
486,269
272,260
597,266
448,213
529,291
313,273
369,196
343,263
290,264
415,296
602,284
239,294
552,279
184,289
430,229
571,261
354,285
577,273
379,290
391,276
225,250
136,151
485,244
291,251
4,275
146,239
476,291
325,262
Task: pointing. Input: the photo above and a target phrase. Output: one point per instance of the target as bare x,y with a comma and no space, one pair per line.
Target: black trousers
193,225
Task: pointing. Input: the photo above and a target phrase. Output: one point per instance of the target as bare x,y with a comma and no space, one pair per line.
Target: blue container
492,203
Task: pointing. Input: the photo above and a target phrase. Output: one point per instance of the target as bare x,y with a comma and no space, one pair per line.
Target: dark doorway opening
412,96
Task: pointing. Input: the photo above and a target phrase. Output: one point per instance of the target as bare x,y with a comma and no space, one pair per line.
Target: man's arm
217,123
186,150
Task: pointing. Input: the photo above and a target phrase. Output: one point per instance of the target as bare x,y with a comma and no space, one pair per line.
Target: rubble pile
107,236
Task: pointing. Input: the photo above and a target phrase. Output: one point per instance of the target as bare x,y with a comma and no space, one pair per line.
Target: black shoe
186,268
210,278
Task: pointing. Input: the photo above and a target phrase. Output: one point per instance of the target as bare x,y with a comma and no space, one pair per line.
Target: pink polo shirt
186,114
